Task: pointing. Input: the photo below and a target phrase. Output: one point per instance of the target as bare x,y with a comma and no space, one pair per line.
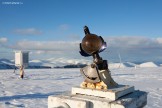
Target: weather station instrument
98,90
21,61
96,75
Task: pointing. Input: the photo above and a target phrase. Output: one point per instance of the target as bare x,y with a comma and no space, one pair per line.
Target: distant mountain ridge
70,63
6,64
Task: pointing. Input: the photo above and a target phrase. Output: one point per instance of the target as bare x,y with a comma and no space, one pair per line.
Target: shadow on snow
29,96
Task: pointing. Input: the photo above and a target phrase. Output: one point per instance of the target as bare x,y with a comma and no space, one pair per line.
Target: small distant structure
21,61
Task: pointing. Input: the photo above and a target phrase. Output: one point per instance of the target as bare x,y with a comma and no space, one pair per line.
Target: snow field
38,84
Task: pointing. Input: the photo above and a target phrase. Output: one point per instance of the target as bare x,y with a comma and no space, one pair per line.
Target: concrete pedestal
111,94
123,97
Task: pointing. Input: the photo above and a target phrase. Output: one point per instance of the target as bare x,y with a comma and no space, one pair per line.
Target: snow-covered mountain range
72,63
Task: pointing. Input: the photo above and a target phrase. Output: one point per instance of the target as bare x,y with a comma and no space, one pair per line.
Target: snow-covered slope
68,63
58,62
121,65
6,64
38,84
148,64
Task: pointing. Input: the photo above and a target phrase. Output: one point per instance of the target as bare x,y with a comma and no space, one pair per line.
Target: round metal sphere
91,43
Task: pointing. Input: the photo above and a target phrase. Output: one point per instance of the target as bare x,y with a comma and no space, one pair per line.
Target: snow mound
121,65
116,65
148,64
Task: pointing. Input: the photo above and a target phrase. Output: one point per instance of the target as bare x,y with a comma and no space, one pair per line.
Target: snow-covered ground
38,84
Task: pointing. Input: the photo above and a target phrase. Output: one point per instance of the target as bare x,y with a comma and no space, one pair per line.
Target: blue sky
53,28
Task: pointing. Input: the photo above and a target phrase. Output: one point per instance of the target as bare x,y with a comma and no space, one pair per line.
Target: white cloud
159,40
74,37
133,48
64,27
126,43
130,48
46,45
132,42
28,31
48,49
44,52
3,40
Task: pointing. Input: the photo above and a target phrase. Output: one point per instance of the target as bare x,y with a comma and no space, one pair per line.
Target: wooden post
22,72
